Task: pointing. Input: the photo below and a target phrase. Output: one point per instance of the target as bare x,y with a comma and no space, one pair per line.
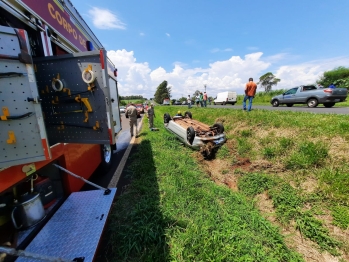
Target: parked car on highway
122,109
140,107
195,134
184,103
177,103
138,112
311,96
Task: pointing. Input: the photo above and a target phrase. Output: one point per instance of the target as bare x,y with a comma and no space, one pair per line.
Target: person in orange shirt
250,91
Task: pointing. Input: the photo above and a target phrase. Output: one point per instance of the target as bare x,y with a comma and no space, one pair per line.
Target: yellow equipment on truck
59,120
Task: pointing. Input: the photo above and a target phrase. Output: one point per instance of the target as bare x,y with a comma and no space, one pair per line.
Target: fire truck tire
107,153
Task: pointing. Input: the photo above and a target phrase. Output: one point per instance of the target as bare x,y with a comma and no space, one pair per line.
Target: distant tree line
133,97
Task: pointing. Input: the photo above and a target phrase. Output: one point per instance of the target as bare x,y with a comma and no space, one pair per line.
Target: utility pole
205,87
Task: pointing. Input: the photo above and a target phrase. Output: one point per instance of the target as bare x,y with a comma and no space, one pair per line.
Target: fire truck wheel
107,153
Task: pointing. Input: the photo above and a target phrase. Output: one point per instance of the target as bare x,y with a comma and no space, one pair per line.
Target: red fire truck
59,120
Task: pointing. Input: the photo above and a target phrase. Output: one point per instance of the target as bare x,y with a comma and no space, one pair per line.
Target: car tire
275,103
219,127
214,103
106,154
312,102
289,105
188,114
190,135
167,118
329,105
232,104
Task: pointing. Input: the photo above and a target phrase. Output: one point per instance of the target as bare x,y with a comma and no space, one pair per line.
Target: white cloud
306,73
168,34
141,34
105,19
215,50
232,74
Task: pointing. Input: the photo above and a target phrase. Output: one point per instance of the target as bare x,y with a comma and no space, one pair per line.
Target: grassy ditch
276,191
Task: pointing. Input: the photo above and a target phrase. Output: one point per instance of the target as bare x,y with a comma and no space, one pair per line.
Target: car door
289,96
303,94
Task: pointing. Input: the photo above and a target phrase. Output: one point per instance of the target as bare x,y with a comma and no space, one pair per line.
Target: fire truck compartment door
22,130
75,97
115,104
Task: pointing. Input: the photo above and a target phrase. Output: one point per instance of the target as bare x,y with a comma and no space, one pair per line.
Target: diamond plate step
75,229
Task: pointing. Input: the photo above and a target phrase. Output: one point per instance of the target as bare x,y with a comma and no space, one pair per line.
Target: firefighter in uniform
132,114
151,115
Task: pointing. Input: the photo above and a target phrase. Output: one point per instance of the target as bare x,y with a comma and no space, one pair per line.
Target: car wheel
219,127
214,103
329,105
289,105
167,118
275,103
190,135
312,102
106,151
188,114
232,104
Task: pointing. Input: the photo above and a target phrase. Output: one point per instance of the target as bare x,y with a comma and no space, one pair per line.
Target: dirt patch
232,182
307,248
243,163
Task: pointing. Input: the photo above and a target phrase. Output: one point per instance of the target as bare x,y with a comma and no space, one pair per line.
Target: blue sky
220,43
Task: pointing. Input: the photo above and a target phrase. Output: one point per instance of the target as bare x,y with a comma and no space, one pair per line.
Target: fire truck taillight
89,46
115,72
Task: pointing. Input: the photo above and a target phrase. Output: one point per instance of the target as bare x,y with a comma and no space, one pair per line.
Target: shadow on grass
136,227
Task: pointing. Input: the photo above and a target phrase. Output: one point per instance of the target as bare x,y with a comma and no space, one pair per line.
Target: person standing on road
205,99
132,114
197,100
201,99
151,115
250,91
189,102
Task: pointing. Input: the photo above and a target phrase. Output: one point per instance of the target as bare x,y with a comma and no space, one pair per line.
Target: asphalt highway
118,158
320,109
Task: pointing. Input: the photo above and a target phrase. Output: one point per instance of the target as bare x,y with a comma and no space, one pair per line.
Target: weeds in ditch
307,154
313,229
340,216
254,184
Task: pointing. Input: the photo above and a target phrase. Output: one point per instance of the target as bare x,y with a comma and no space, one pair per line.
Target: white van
224,98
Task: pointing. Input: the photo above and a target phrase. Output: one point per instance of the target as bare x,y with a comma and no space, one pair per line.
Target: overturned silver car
195,134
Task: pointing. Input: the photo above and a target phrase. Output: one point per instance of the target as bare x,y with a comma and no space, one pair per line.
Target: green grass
173,211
